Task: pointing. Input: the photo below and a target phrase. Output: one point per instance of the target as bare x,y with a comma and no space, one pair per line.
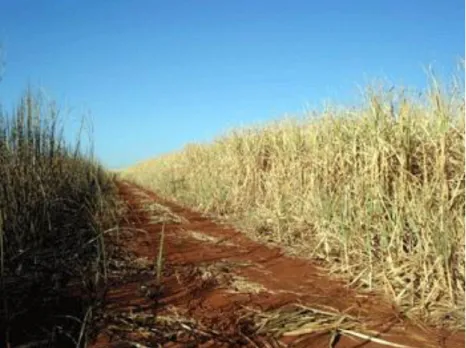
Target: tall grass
55,201
376,191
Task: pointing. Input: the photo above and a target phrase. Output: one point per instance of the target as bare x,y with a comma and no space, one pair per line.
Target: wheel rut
218,288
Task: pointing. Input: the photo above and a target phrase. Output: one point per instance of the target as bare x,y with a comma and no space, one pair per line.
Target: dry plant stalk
55,203
376,191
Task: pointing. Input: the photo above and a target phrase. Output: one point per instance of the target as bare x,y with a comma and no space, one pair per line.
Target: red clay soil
210,301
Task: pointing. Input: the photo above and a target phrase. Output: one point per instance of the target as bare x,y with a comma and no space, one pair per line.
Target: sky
156,75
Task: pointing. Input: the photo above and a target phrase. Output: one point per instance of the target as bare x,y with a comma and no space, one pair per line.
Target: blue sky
156,75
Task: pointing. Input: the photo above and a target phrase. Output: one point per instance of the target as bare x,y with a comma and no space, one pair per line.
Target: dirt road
220,289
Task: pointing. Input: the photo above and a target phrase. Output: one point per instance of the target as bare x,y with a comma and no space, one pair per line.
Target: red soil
212,304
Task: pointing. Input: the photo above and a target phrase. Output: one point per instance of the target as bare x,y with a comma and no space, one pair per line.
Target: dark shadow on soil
53,323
